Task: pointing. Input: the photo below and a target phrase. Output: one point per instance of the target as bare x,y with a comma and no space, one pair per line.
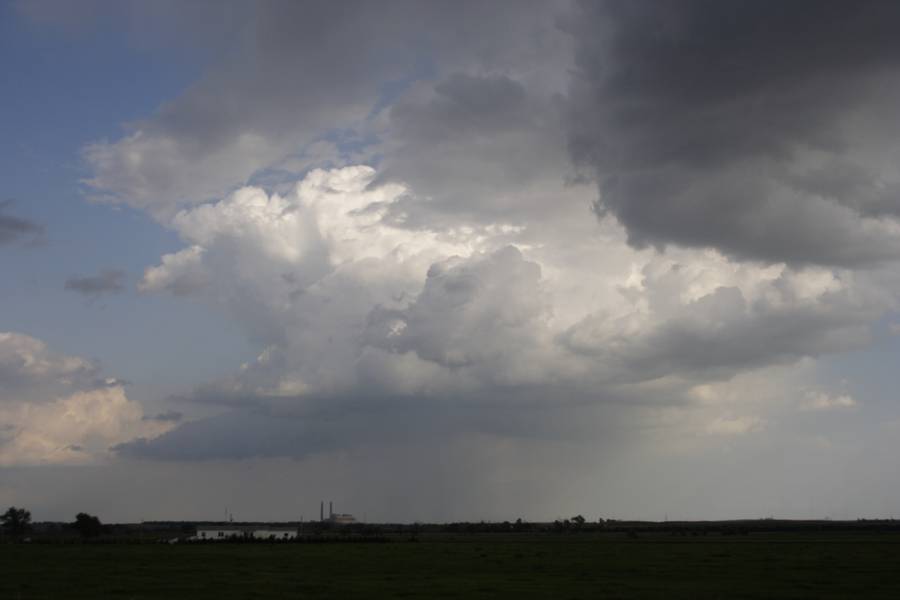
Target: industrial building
333,517
262,531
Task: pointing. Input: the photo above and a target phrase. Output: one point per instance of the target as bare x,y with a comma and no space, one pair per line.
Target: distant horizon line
513,521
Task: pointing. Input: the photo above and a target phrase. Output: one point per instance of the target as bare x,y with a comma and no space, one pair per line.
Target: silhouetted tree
16,521
87,526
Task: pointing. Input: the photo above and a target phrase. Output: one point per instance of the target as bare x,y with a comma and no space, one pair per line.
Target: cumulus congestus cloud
366,321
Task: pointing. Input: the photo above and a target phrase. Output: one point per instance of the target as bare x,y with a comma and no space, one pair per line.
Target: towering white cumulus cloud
356,308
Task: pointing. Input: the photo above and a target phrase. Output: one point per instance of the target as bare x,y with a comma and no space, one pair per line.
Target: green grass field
779,565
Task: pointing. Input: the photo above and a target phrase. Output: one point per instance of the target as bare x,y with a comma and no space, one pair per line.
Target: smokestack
322,511
330,511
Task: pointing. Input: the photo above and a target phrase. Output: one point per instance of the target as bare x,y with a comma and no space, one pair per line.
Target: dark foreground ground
760,565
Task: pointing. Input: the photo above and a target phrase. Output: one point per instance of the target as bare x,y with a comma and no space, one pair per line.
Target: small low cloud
170,416
109,281
15,229
735,425
818,401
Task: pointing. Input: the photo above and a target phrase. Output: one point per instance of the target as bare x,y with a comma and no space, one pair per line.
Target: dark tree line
15,522
87,526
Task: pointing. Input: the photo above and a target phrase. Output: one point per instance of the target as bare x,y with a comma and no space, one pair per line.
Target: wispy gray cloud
109,281
14,229
170,416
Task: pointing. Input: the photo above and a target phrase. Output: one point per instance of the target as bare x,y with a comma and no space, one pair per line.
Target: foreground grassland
779,565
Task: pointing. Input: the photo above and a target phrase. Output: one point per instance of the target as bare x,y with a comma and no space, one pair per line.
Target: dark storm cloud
13,228
731,124
463,104
234,435
110,281
344,423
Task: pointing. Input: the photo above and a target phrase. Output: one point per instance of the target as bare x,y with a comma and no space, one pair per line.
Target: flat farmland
770,565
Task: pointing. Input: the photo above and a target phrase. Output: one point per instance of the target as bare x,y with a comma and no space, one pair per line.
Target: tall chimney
322,510
330,510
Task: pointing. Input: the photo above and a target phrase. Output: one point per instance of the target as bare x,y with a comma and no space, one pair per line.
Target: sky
441,261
